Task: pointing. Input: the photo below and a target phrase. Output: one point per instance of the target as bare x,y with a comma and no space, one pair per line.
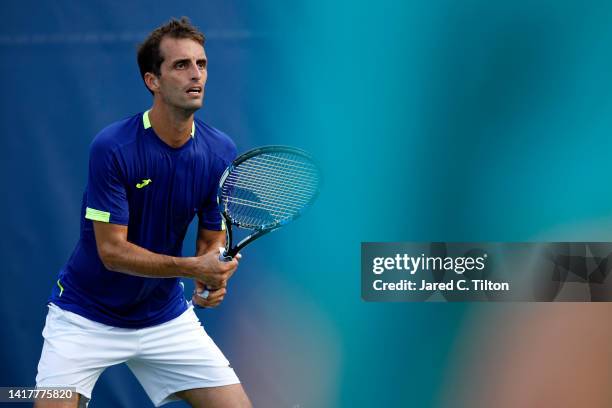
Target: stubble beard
184,107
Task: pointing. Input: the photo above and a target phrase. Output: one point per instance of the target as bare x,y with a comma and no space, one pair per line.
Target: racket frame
259,232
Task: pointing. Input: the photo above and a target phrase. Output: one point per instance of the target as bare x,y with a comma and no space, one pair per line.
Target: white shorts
174,356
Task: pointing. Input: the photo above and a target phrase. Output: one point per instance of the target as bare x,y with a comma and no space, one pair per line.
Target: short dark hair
149,55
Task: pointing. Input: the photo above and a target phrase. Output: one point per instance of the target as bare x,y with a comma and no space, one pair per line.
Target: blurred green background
450,121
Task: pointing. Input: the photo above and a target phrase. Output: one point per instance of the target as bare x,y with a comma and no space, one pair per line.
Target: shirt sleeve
106,192
209,216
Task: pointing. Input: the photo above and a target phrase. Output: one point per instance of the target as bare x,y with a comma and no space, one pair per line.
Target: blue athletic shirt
136,179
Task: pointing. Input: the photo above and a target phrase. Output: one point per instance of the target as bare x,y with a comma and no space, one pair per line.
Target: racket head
268,187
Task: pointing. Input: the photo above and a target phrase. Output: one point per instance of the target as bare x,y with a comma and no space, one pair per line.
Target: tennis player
119,298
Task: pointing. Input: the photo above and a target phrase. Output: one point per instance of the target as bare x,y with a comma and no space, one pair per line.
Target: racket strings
250,181
268,204
270,208
277,203
269,188
278,184
281,171
266,175
294,164
293,171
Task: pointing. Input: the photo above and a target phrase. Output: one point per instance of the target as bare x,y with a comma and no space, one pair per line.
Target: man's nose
196,74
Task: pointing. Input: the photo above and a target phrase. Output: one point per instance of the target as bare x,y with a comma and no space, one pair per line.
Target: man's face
183,73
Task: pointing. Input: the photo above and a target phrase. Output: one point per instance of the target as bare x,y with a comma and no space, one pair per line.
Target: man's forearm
203,247
208,241
132,259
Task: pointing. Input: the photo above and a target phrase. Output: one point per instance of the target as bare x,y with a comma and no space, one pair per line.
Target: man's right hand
214,273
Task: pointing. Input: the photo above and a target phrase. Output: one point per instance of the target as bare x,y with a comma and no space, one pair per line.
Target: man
118,298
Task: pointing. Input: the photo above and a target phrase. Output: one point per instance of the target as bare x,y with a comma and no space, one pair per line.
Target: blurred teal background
440,120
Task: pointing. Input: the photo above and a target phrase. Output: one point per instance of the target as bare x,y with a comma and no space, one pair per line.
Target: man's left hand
215,296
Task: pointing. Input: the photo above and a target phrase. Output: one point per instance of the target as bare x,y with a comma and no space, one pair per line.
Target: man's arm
208,242
120,255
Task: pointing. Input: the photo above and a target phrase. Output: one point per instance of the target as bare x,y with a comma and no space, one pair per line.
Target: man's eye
180,65
201,65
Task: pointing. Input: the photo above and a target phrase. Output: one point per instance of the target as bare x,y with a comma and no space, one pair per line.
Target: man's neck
171,125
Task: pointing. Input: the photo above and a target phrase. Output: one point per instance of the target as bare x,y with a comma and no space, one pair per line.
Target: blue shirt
136,179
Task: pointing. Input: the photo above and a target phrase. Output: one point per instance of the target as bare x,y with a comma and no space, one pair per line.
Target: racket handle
223,257
204,295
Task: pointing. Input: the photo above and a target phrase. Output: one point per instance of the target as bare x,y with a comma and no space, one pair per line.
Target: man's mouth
194,90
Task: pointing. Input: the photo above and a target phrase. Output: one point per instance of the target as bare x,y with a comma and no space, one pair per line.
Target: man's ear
151,81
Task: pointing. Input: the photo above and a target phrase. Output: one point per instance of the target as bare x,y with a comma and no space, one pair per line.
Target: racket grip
204,295
223,257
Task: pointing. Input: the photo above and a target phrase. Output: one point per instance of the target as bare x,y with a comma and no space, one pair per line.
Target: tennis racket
263,190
